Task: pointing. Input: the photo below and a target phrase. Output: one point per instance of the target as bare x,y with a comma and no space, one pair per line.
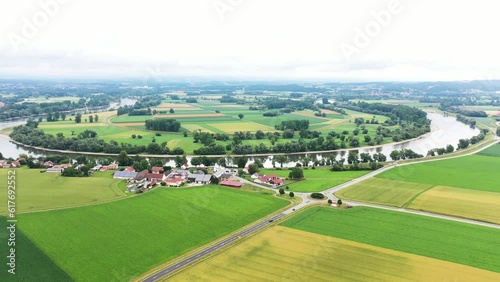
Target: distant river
12,150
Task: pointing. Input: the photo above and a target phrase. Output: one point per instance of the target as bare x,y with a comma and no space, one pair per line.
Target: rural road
307,202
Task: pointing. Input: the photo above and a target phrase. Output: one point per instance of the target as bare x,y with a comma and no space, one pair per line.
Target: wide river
445,130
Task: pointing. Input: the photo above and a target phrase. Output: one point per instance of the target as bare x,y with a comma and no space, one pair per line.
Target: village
139,181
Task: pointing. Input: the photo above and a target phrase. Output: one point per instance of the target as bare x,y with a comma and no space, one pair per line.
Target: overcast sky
251,39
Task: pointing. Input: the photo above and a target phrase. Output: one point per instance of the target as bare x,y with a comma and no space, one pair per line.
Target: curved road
307,202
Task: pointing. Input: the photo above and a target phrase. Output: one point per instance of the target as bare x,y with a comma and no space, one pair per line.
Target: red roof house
154,176
234,184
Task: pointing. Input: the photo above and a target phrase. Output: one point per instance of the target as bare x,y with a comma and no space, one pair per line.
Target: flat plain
123,239
41,191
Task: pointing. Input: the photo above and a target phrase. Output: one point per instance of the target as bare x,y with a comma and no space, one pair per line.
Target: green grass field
457,242
123,239
40,191
471,172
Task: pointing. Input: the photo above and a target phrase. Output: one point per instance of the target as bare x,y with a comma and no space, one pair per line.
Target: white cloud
278,39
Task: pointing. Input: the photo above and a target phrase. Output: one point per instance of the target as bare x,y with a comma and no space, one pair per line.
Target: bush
282,191
317,196
291,194
133,136
329,201
139,136
158,134
163,183
339,202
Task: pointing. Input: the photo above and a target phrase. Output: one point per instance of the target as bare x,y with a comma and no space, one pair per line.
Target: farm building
174,182
141,175
154,177
271,179
225,176
234,184
113,166
203,179
157,169
55,169
125,174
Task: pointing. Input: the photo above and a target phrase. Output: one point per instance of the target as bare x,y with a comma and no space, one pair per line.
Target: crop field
479,205
314,257
383,191
203,116
41,191
465,187
317,180
493,151
241,126
457,242
32,264
131,236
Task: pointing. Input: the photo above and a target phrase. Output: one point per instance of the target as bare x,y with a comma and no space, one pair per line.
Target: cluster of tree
25,109
163,124
131,111
466,120
85,142
82,171
440,151
464,143
211,150
317,195
147,102
207,138
404,154
319,114
303,133
196,161
191,100
397,113
293,125
449,107
359,121
272,114
333,108
296,173
297,105
228,99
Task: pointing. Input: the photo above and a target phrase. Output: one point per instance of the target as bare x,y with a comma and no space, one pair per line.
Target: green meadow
41,191
123,239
